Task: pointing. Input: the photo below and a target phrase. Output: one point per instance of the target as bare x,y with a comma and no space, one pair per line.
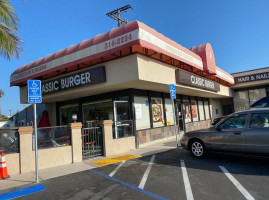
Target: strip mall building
124,75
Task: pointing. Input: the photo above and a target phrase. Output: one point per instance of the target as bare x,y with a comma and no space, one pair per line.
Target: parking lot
170,175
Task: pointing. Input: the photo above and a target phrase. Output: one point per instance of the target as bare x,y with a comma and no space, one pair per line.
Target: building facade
124,76
249,87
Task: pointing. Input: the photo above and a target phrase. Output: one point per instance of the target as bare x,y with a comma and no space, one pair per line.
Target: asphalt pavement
173,174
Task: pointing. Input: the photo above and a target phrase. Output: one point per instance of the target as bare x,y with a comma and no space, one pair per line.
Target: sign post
173,97
34,97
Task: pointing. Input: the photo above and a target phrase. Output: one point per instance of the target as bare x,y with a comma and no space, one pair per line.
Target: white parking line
236,183
115,170
187,184
145,176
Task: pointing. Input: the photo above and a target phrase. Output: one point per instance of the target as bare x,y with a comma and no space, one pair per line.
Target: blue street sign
173,91
172,87
34,91
173,94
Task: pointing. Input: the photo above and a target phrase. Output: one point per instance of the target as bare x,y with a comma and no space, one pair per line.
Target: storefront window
142,112
157,112
169,112
96,111
194,110
187,110
255,95
66,113
207,111
241,100
201,110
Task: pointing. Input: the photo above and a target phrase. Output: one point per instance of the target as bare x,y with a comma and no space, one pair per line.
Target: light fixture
74,117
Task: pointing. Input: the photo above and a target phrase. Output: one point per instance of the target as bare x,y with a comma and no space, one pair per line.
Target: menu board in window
194,110
187,110
157,112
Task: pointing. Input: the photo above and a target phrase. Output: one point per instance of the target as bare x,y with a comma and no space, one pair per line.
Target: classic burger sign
193,80
88,77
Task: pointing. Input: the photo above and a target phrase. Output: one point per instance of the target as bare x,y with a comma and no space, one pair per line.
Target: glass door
123,124
180,118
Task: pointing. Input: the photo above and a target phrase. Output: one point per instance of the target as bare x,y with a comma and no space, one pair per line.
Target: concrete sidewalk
19,180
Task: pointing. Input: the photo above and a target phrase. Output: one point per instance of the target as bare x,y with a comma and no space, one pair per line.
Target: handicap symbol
34,84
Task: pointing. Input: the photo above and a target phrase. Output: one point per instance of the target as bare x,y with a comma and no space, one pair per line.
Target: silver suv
244,132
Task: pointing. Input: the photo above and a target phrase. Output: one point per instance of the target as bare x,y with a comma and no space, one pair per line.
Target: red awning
133,33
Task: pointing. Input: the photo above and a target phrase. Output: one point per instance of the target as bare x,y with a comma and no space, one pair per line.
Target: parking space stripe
145,176
186,180
22,192
130,186
236,183
115,170
261,172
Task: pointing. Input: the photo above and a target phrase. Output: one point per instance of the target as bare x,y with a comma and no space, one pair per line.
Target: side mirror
218,128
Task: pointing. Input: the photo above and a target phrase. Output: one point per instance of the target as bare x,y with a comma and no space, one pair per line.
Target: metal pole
115,120
175,122
36,155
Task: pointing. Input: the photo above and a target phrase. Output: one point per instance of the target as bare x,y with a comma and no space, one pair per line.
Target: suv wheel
197,148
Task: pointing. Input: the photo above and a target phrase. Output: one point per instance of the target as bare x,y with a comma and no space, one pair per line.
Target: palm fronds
10,42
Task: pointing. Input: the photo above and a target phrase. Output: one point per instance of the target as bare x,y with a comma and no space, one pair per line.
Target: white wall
215,104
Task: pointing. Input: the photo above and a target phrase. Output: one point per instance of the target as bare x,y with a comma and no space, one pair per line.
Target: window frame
255,113
244,127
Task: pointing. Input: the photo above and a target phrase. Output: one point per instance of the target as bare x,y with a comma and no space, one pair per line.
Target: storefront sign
193,80
253,77
89,77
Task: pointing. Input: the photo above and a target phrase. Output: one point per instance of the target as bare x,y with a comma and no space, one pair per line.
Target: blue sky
237,30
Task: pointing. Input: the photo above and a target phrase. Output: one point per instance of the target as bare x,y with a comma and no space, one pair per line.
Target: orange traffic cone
3,167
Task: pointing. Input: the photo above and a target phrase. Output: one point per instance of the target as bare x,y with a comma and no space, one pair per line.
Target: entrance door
123,124
180,120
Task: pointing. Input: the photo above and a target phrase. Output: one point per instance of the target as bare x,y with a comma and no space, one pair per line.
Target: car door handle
237,133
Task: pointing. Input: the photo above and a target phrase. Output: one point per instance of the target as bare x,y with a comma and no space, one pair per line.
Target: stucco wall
215,106
51,157
120,145
54,157
115,146
13,163
159,75
119,74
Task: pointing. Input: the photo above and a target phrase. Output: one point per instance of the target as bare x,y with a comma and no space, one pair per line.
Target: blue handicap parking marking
173,94
130,186
34,91
22,192
172,87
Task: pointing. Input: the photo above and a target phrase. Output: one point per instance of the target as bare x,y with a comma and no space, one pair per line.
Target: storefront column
76,141
115,146
27,156
107,135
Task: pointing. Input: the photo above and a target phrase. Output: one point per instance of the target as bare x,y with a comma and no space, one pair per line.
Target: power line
115,14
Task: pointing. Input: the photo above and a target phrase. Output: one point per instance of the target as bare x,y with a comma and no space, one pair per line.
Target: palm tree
10,42
2,93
